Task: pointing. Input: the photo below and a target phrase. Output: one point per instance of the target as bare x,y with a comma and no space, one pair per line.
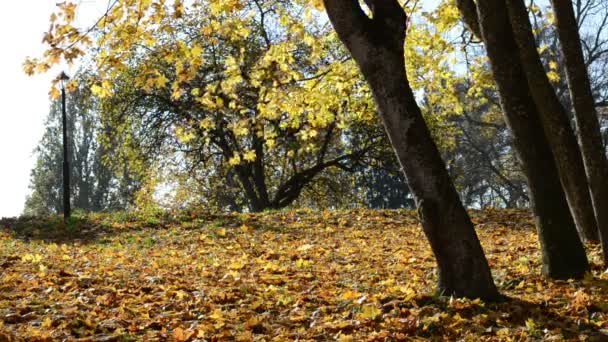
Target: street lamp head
63,78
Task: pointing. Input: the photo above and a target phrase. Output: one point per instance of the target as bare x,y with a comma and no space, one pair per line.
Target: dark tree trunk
377,46
563,254
555,121
588,128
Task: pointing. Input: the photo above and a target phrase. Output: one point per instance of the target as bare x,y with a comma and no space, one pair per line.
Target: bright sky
24,100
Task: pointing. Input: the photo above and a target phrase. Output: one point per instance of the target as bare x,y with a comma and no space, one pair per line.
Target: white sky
24,100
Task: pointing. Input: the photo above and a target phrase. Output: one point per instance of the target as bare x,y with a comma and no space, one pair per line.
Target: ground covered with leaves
336,275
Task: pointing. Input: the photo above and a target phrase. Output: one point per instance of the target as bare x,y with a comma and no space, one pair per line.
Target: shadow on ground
91,228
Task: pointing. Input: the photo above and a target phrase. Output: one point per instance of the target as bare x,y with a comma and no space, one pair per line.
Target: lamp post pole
67,211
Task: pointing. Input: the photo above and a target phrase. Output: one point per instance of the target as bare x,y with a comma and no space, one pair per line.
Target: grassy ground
345,275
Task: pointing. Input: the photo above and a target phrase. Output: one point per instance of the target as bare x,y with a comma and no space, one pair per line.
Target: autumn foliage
298,275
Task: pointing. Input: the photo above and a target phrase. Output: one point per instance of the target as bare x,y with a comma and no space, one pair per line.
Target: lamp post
63,79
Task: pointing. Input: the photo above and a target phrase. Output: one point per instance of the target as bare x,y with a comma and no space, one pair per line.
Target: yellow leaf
350,295
207,123
346,338
370,312
245,336
553,65
161,81
196,51
96,89
47,323
305,247
301,263
217,315
553,76
530,324
235,160
504,332
236,265
179,335
318,4
249,155
29,66
103,90
33,258
270,143
55,93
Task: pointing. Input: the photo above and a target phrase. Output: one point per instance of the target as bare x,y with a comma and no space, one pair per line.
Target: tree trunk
377,47
563,254
555,122
588,128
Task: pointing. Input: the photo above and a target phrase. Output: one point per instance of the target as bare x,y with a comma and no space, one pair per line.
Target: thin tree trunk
377,46
555,122
563,254
588,128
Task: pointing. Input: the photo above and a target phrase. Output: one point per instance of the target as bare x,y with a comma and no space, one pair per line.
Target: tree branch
468,10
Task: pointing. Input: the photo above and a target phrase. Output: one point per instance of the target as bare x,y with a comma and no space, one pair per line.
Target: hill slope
334,275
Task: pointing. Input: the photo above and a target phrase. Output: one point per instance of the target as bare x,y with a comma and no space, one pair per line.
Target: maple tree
228,110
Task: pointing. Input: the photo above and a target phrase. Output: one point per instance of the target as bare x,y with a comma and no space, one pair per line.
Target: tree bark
468,10
377,47
563,254
588,128
555,122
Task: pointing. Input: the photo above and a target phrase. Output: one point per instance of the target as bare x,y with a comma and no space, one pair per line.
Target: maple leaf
355,287
55,93
235,160
249,155
161,81
181,335
196,51
370,312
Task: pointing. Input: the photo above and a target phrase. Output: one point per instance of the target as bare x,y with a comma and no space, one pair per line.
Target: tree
481,100
588,128
562,252
484,166
225,112
97,186
377,45
555,121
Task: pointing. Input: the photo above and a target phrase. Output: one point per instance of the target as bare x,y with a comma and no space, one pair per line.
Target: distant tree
97,185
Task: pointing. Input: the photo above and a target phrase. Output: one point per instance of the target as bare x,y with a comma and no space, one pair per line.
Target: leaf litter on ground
357,275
